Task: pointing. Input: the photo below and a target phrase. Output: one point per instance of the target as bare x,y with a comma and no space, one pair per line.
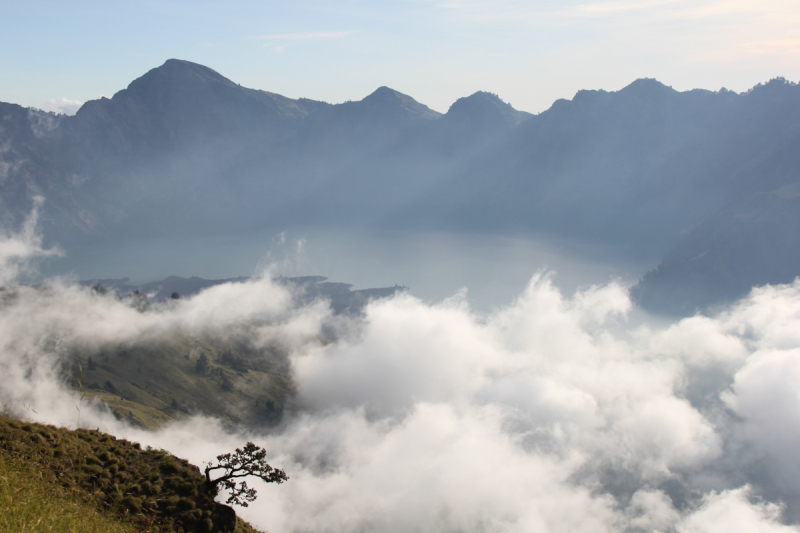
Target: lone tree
201,365
249,461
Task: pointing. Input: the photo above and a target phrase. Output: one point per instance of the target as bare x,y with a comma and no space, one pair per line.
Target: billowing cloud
549,414
733,510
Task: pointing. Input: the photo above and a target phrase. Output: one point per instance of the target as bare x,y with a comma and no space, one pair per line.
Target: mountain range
183,152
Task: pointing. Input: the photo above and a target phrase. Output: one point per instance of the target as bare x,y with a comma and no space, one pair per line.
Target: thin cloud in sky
660,9
685,9
303,36
609,8
777,46
279,41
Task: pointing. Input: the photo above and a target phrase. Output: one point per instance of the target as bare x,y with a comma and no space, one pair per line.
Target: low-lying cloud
20,249
63,106
550,414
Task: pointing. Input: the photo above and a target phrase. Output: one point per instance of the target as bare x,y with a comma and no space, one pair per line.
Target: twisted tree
249,461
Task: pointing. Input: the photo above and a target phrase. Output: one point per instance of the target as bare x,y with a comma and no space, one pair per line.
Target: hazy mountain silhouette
484,110
179,103
306,288
636,166
184,152
753,242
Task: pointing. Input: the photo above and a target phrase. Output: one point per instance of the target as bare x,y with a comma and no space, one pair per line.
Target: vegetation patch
177,375
151,490
30,501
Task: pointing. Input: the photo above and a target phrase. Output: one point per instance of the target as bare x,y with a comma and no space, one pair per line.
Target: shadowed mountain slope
753,242
484,109
637,166
179,103
185,153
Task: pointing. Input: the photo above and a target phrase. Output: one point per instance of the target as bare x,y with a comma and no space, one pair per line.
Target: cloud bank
551,414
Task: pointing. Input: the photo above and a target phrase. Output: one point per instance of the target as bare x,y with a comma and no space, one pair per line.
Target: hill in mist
183,152
176,375
753,242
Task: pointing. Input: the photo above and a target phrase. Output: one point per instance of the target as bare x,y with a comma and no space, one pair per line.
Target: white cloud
546,415
303,36
19,250
63,106
732,511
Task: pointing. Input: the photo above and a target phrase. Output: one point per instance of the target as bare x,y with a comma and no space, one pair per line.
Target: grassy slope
151,383
29,502
91,478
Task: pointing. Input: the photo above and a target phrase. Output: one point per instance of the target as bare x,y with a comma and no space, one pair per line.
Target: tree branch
250,461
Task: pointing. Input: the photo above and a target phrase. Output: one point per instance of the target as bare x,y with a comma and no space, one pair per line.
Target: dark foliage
201,366
250,461
235,361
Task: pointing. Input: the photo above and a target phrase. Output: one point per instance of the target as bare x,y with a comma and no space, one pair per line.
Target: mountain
484,110
753,242
185,153
634,167
306,288
177,105
174,375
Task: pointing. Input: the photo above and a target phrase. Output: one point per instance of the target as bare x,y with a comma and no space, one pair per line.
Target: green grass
152,383
28,502
149,489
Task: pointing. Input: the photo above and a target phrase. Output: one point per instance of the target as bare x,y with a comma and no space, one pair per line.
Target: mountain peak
385,93
177,73
487,108
388,101
178,102
644,87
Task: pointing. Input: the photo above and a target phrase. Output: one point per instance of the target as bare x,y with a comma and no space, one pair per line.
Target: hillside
753,242
177,375
150,490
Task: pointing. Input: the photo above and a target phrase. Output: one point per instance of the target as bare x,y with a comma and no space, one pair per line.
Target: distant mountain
484,109
633,167
753,242
379,119
184,153
307,289
385,105
177,105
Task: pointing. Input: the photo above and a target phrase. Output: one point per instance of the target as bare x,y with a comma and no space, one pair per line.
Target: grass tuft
29,502
103,476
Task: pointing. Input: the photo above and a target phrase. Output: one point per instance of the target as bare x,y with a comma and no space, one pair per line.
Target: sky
530,53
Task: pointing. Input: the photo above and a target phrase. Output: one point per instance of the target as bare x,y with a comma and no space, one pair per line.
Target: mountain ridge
184,151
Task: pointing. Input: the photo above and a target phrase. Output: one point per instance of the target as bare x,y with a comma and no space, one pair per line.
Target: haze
582,219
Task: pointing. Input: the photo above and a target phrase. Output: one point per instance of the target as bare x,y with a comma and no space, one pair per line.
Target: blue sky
530,53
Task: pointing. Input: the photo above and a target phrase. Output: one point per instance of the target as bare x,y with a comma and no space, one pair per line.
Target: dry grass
28,502
148,489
